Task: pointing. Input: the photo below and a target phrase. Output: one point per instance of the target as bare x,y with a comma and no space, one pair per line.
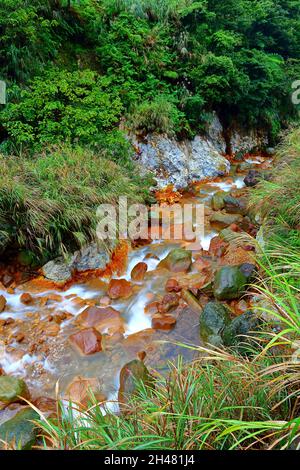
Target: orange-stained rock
139,271
217,247
169,302
119,289
2,303
82,390
87,341
163,322
172,285
26,298
151,308
105,318
236,255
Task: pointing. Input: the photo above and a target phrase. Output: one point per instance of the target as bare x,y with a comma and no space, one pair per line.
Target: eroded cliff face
182,162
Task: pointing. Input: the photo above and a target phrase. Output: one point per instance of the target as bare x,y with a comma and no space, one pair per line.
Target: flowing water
55,360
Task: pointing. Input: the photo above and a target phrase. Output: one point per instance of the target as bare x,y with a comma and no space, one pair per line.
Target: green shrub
64,106
48,203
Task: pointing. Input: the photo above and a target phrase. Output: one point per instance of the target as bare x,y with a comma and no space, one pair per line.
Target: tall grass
48,203
220,401
278,200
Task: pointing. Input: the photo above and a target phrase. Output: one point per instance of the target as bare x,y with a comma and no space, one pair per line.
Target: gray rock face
180,163
90,258
58,270
214,133
245,141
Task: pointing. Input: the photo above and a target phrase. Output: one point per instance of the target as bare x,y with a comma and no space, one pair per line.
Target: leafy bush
62,106
48,203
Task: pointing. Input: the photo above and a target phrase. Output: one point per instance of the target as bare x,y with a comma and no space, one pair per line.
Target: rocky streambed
80,334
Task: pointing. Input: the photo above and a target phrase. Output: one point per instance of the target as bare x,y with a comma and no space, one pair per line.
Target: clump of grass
278,200
217,402
159,115
48,203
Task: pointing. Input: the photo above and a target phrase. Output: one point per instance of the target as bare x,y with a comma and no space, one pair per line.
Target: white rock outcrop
180,163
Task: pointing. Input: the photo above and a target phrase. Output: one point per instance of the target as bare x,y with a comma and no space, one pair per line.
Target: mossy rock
230,282
235,205
217,201
178,260
131,375
238,331
223,220
214,318
19,430
11,389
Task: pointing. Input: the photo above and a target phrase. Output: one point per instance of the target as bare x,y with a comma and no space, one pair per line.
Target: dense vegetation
80,71
76,70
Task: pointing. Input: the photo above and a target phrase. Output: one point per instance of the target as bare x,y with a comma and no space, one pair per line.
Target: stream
34,337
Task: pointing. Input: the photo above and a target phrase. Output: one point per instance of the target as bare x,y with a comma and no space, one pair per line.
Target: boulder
214,318
172,285
163,322
103,319
87,341
83,390
178,260
12,389
180,163
19,431
26,298
231,281
91,258
139,271
58,271
2,303
223,220
151,308
239,327
131,374
119,289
